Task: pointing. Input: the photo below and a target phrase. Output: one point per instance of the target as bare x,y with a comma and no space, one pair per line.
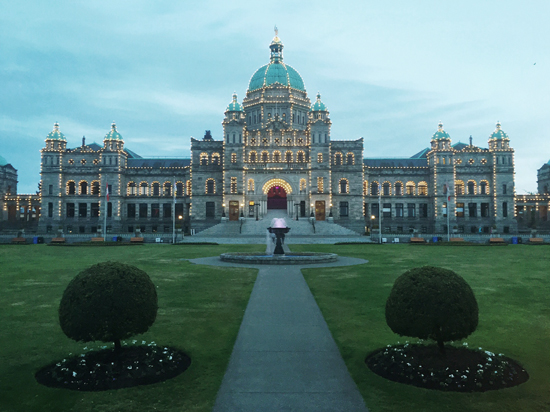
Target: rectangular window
95,210
179,210
82,229
506,229
399,229
375,209
320,185
210,209
411,210
386,189
504,189
472,209
109,209
70,209
143,210
386,210
155,210
460,209
82,210
130,229
485,210
444,209
131,211
50,209
366,209
344,209
167,210
233,185
50,189
423,209
399,210
504,209
473,229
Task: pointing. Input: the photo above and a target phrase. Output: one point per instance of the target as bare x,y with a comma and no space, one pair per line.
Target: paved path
285,358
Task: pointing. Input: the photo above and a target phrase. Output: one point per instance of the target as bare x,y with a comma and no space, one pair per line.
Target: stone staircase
257,228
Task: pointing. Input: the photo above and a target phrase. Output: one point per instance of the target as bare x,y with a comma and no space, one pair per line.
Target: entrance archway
276,191
276,198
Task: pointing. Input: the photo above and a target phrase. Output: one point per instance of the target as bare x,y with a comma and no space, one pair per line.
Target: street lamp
330,214
311,207
256,205
223,209
297,209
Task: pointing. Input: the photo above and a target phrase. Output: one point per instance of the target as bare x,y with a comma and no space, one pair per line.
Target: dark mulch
103,370
461,370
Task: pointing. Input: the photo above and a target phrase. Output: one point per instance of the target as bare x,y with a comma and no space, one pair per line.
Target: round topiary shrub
108,302
432,303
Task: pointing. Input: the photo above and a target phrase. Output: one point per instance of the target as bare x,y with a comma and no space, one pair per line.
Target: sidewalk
285,358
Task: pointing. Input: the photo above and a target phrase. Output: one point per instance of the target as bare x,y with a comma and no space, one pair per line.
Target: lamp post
223,209
256,205
311,207
180,218
330,214
297,205
372,223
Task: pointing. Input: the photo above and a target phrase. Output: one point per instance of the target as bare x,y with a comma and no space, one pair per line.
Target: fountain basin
286,259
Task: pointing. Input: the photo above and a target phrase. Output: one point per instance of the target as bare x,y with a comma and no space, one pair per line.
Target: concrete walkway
285,358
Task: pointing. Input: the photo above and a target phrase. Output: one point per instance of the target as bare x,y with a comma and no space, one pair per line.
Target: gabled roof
158,163
422,154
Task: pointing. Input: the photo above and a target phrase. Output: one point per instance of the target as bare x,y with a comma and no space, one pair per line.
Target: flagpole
105,217
379,211
174,212
448,217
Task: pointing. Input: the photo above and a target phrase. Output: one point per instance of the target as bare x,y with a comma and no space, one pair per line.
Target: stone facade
277,152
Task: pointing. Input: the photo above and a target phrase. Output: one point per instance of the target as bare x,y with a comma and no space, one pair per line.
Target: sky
166,70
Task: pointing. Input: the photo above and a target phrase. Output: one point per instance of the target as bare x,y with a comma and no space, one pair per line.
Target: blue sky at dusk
166,71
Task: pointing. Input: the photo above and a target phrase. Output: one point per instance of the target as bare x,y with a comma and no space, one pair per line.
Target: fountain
279,229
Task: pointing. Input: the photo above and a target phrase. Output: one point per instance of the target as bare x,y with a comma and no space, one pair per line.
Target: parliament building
277,152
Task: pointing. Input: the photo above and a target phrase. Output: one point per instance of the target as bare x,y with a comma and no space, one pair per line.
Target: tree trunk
117,346
441,346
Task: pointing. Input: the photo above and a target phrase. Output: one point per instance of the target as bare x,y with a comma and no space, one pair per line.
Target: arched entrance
277,191
276,198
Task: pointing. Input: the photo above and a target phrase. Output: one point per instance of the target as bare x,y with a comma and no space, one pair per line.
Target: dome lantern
55,134
113,134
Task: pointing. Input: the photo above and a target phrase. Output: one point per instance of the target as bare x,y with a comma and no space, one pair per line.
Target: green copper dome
3,162
113,134
55,134
318,106
234,106
440,134
276,72
498,134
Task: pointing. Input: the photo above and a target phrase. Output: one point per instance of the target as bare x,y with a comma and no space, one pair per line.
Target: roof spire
276,31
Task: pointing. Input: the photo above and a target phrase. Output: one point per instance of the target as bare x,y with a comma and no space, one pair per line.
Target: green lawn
200,310
512,287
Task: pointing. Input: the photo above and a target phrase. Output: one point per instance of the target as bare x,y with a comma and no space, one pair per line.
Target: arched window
143,189
344,186
155,189
167,189
471,187
459,187
83,187
423,188
302,185
215,158
95,187
210,186
288,156
204,159
350,159
386,188
338,159
277,156
484,187
251,185
398,189
265,157
71,187
300,156
179,189
409,188
374,188
252,157
131,189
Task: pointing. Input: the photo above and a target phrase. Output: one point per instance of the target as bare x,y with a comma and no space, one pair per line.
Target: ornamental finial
440,126
276,31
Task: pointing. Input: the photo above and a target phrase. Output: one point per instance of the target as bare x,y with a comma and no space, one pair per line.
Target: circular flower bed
103,369
460,370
